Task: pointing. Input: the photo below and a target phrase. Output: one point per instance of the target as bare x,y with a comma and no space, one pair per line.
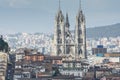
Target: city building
32,65
35,65
3,65
99,51
76,68
112,54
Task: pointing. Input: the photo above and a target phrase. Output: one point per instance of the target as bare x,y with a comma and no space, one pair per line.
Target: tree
4,46
57,72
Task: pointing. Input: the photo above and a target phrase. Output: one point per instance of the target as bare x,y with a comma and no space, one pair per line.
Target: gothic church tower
80,35
71,48
59,33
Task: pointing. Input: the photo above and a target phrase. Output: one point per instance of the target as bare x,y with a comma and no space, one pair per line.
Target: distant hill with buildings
39,41
104,31
43,41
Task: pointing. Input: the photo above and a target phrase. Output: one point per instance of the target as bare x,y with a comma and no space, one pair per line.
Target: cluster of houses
30,65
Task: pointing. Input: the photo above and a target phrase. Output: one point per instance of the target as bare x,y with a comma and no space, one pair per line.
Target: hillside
104,31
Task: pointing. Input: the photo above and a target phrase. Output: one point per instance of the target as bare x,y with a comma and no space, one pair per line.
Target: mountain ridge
104,31
93,32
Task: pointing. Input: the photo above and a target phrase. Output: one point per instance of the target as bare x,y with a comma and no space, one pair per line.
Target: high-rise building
99,51
66,45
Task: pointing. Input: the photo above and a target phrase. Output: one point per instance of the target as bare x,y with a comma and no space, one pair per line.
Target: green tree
4,46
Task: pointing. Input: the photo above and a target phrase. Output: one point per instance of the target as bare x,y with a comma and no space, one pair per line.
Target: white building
3,65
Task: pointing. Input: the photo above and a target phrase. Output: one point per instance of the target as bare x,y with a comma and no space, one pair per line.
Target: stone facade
3,65
65,44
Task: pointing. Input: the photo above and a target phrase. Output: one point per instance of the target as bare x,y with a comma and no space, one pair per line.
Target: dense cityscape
61,55
43,42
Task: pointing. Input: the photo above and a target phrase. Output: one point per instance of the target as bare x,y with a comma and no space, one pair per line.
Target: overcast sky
38,15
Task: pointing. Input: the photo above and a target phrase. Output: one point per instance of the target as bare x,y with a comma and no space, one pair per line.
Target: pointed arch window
67,50
80,40
59,31
59,40
59,51
80,51
80,31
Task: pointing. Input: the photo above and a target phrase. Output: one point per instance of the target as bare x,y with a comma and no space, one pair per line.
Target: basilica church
65,44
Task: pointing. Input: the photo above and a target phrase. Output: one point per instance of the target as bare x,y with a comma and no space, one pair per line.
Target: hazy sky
38,15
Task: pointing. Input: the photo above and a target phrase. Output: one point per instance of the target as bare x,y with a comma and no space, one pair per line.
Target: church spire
59,5
67,20
59,17
80,9
80,5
